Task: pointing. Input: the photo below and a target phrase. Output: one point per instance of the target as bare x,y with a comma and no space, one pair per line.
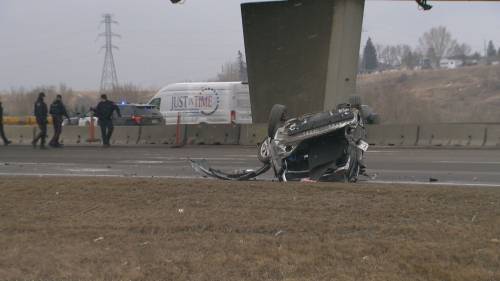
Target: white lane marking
33,163
94,175
382,151
436,183
199,158
88,170
142,162
199,177
468,162
425,173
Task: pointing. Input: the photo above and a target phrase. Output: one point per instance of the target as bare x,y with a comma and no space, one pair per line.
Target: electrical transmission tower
109,79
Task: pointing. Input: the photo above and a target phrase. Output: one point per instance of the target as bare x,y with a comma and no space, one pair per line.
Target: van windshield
156,103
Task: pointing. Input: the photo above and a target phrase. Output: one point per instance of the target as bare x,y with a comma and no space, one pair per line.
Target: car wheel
276,118
264,153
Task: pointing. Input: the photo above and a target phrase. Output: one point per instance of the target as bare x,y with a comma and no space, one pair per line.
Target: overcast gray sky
54,41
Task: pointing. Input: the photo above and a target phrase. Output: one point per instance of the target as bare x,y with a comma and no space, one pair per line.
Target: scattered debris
308,180
181,211
494,240
98,239
280,232
473,218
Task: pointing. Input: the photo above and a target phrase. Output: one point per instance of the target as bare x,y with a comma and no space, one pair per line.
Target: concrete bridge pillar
343,58
301,53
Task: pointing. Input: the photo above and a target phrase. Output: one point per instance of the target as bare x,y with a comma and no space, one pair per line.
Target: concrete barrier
492,136
20,134
22,120
213,134
50,132
72,135
392,134
452,135
252,134
122,134
161,134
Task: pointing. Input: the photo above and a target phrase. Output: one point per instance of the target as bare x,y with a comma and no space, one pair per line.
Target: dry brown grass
468,94
138,229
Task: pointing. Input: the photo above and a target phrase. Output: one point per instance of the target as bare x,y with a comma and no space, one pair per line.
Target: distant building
450,63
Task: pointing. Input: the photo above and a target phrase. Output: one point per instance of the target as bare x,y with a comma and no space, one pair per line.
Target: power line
109,79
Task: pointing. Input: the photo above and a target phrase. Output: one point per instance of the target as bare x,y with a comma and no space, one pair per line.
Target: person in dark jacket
58,112
41,113
104,112
2,133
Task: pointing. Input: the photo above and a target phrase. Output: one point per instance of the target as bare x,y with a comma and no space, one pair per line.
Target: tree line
433,46
19,101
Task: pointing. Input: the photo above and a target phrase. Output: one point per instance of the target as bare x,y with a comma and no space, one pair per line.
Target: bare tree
18,102
461,51
233,71
440,40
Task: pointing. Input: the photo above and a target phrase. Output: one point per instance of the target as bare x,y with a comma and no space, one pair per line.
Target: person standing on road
58,112
41,113
104,112
2,133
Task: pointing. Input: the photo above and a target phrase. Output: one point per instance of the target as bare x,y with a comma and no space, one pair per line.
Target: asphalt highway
436,166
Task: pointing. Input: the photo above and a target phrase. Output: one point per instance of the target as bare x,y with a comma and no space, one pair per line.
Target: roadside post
178,142
92,138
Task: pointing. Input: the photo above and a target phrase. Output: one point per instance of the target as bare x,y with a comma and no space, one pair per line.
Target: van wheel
276,118
264,153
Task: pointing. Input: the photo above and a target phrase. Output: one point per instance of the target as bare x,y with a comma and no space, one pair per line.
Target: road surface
457,166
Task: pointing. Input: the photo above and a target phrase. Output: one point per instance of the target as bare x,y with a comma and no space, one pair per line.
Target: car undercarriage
324,146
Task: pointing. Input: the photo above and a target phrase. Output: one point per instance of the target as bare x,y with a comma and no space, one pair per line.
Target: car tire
354,168
276,118
264,152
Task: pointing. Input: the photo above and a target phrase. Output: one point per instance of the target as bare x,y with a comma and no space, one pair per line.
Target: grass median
141,229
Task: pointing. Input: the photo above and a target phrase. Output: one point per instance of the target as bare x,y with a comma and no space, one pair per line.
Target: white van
207,102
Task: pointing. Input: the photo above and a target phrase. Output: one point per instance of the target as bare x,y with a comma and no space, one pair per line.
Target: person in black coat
41,113
58,112
104,112
2,133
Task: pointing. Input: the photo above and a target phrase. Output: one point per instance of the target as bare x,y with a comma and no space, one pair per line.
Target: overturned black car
325,146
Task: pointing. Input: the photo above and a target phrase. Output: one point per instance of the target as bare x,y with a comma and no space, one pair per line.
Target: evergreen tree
242,67
491,51
476,56
409,59
370,61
